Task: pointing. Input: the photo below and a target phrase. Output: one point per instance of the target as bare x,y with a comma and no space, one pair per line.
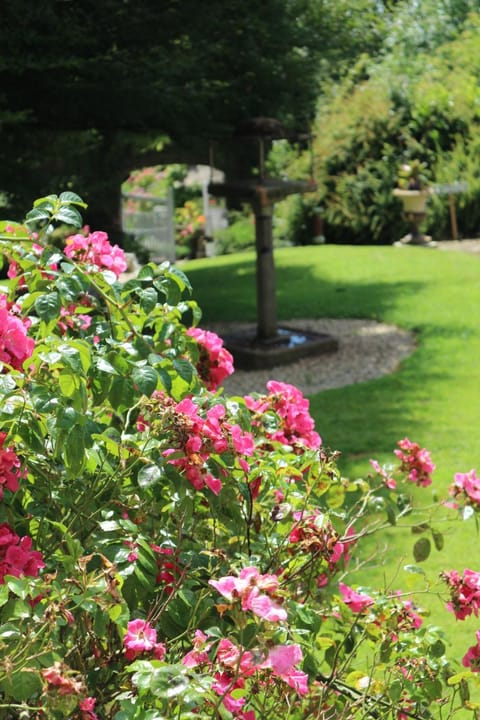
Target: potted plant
413,191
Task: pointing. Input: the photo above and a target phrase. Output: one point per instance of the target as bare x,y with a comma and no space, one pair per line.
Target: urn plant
167,551
413,190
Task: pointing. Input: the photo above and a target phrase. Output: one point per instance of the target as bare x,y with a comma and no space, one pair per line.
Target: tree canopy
89,87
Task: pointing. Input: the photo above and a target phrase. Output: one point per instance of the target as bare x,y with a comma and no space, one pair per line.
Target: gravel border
367,350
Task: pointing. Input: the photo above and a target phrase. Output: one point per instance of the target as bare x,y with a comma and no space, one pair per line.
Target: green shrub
422,106
239,235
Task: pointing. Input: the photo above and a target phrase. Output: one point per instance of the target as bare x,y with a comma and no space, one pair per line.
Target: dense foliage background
417,100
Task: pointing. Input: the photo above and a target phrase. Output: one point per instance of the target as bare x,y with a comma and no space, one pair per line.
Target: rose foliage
167,551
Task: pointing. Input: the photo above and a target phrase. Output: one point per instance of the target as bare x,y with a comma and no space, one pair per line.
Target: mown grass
433,398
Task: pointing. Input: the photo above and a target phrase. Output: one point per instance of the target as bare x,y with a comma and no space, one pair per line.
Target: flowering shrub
189,223
167,551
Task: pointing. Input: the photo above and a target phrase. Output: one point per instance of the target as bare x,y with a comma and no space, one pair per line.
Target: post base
289,345
419,240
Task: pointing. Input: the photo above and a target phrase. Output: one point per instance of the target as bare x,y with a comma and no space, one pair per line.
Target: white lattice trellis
150,220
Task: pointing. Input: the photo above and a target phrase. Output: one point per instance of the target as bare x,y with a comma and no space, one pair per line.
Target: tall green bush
423,106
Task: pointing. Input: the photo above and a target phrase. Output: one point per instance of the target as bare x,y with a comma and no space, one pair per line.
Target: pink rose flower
471,659
140,638
357,602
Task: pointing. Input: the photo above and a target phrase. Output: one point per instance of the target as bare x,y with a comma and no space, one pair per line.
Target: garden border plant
167,551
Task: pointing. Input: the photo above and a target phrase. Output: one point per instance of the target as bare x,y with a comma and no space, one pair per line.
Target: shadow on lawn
229,293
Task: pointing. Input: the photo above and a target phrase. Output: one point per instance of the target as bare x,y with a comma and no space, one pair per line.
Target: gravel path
367,349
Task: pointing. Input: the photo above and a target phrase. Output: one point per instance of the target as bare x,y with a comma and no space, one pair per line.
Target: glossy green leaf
148,299
37,215
69,383
145,379
421,549
72,198
69,216
149,475
48,306
22,686
74,452
438,539
184,369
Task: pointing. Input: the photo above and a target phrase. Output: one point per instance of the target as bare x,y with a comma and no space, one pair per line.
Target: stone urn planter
414,194
414,201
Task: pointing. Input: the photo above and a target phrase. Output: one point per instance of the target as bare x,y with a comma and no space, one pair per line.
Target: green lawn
433,399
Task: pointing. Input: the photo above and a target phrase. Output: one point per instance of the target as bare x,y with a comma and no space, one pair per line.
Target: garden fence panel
150,220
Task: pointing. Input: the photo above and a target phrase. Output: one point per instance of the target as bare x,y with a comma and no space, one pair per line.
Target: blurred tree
93,88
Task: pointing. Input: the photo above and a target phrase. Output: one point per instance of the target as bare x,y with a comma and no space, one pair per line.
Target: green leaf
146,273
119,614
104,366
391,517
395,690
149,475
73,198
421,549
145,378
46,200
414,569
144,580
165,379
48,306
74,452
184,369
7,384
109,277
36,215
419,529
69,216
148,299
458,677
121,393
4,593
324,642
108,525
18,586
76,357
68,287
21,686
437,649
180,278
67,418
335,496
438,539
69,383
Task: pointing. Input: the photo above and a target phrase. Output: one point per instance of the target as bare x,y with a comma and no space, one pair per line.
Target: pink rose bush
169,551
464,592
416,461
15,345
471,659
357,602
11,470
231,666
215,363
94,249
295,424
248,589
141,638
465,490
